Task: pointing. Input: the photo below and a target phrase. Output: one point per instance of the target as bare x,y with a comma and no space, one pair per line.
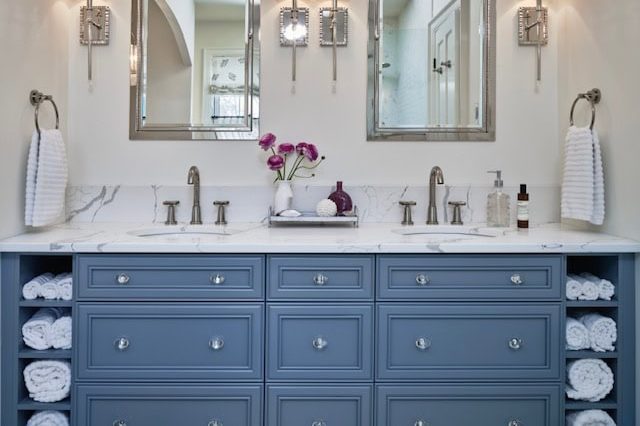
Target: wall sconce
95,30
294,30
533,24
334,30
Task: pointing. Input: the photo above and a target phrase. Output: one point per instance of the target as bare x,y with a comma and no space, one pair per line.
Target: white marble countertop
257,238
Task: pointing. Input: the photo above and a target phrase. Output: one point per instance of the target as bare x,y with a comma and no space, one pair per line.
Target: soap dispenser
498,204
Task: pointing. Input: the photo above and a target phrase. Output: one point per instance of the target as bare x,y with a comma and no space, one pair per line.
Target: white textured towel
58,288
606,289
65,286
577,335
574,288
589,380
47,174
36,331
48,380
32,289
59,334
603,332
48,418
590,418
589,289
583,177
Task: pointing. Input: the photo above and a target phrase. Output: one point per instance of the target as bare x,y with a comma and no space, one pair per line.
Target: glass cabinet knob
320,279
421,423
423,343
215,423
422,279
119,423
319,423
216,343
122,344
515,344
123,279
217,279
319,343
517,279
515,423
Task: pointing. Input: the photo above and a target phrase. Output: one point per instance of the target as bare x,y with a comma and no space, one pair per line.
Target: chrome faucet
194,179
436,177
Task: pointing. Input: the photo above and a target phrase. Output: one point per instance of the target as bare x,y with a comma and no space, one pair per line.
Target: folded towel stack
589,380
588,287
49,287
48,380
590,418
603,332
48,418
577,335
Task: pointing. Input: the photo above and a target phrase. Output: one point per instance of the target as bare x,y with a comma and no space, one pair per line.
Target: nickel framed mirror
195,70
431,70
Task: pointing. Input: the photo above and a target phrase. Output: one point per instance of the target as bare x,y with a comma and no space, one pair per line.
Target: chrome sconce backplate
100,18
528,34
326,26
287,19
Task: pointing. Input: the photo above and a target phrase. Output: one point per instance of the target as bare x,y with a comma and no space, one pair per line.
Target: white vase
283,196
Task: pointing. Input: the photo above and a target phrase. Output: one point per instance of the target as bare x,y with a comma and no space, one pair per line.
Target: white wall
527,146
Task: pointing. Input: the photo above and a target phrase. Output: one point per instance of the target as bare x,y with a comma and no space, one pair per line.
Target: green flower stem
296,166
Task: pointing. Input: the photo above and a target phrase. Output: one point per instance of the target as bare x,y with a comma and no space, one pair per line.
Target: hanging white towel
589,418
47,176
48,418
583,178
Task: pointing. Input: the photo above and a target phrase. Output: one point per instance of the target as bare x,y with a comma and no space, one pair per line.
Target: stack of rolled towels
587,286
48,418
590,418
50,287
589,380
48,380
591,331
48,328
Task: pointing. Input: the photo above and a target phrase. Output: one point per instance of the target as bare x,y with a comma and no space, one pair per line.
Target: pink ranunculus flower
267,141
286,148
301,148
275,162
311,152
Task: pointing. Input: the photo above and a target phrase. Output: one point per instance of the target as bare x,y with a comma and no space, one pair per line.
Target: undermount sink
435,230
188,231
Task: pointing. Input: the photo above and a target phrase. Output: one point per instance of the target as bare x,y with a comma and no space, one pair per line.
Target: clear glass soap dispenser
498,204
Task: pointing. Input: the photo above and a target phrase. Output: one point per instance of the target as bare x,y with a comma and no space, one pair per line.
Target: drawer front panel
319,405
467,342
321,277
491,277
169,342
168,405
320,342
170,277
468,405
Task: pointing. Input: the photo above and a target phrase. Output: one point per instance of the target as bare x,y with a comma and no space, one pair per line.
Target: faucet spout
436,177
194,179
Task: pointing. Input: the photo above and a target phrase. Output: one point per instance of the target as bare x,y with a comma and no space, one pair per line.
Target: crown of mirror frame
294,31
95,30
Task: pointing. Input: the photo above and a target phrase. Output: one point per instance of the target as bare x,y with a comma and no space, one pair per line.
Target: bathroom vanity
349,327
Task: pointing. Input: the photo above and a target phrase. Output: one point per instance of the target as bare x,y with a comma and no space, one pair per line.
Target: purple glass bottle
342,200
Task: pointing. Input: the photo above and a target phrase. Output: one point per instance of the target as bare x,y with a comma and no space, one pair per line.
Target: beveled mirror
431,70
195,69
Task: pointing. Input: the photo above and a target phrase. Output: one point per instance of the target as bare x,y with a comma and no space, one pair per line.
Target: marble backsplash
251,203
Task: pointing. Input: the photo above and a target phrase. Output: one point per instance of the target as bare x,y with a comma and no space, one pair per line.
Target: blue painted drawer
154,405
319,405
134,342
320,342
468,405
468,342
133,277
472,277
321,277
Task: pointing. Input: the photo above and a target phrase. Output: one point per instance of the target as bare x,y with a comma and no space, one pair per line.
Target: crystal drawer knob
217,279
320,279
515,423
217,343
215,423
119,423
515,344
319,343
517,279
123,279
422,343
122,344
421,423
422,279
319,423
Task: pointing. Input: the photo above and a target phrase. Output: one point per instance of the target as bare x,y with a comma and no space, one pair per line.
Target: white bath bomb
326,208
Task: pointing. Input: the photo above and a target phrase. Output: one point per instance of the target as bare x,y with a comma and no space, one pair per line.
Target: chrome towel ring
37,98
593,97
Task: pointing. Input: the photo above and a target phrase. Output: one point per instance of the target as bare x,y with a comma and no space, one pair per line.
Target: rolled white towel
603,332
574,288
65,286
589,380
48,418
35,332
590,418
577,335
590,289
48,380
31,290
59,335
50,290
606,289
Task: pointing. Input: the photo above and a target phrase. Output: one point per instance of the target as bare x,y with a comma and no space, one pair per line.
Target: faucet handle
171,212
457,214
221,220
406,217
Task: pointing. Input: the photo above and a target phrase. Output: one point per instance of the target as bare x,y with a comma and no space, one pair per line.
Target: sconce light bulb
294,32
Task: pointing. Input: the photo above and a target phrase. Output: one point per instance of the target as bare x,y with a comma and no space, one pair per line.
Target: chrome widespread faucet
194,179
435,177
